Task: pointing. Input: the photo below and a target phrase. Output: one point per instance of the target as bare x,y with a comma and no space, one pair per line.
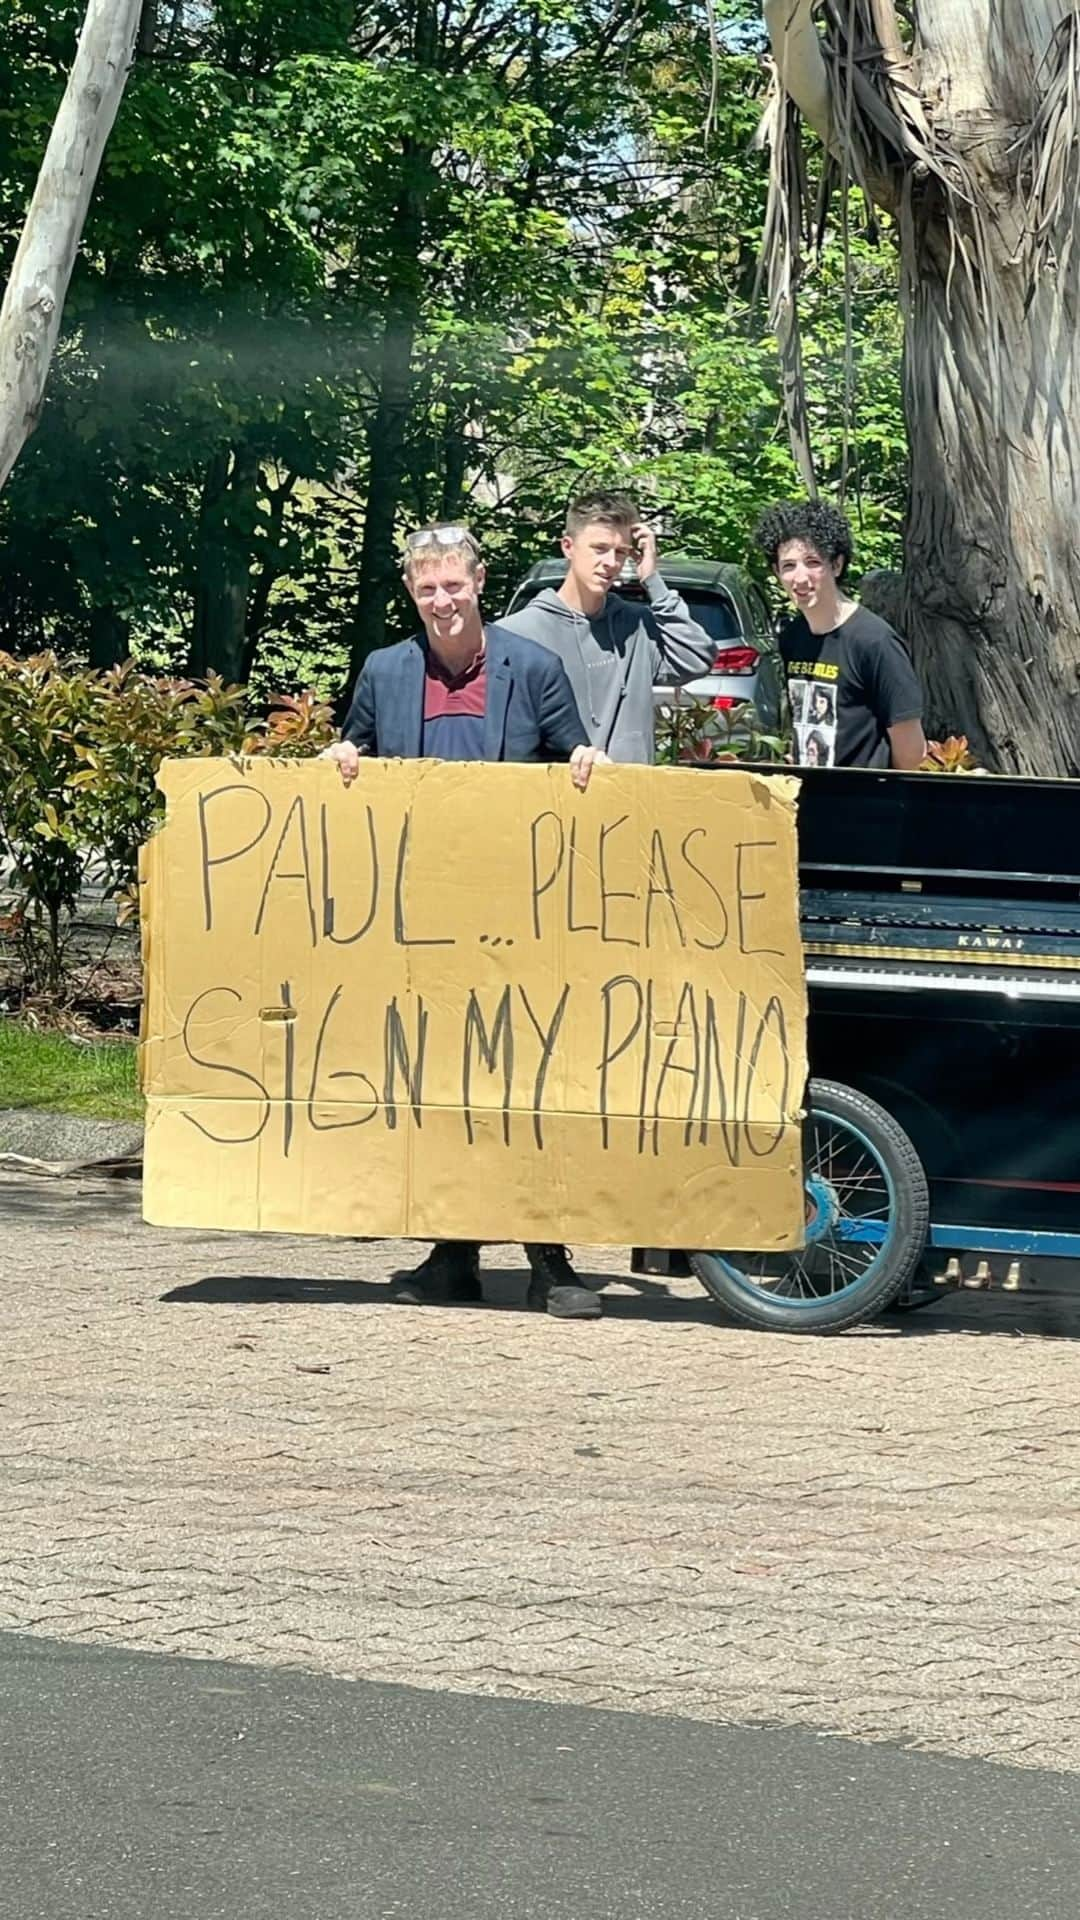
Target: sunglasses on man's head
442,537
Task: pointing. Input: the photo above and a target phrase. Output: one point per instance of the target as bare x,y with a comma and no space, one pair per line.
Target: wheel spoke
806,1285
855,1267
853,1175
850,1221
845,1278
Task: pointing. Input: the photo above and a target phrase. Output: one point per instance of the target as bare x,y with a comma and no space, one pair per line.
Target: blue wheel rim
847,1245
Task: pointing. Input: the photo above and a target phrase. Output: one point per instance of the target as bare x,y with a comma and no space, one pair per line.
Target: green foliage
79,755
701,735
495,247
42,714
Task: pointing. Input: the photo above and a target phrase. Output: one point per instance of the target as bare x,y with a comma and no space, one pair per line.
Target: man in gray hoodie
615,650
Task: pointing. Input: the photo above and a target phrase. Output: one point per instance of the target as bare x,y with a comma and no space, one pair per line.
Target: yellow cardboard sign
470,1002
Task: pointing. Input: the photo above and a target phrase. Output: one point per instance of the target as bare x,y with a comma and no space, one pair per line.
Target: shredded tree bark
961,119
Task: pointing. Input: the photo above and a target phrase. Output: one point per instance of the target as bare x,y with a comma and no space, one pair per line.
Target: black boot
450,1275
555,1287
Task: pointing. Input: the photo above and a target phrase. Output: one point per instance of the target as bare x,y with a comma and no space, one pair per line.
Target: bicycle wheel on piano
867,1218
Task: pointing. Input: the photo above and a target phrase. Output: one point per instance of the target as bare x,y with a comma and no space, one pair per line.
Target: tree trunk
34,301
992,575
991,299
992,580
148,21
378,573
387,437
110,640
262,586
223,566
455,459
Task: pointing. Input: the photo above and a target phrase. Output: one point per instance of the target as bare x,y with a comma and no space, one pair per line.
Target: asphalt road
137,1787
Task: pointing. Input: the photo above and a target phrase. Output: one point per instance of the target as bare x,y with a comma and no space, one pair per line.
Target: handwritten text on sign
470,1001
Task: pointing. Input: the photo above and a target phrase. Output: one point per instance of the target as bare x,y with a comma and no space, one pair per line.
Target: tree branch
800,63
34,301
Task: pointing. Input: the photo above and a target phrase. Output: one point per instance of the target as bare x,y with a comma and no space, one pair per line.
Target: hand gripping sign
471,1002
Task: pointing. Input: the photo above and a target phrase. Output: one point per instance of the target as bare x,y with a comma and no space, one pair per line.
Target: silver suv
734,613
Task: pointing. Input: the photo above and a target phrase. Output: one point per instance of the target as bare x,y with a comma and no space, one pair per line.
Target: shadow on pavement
503,1287
1028,1315
1009,1316
33,1200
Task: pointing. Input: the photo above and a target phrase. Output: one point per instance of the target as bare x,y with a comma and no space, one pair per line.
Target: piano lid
1009,834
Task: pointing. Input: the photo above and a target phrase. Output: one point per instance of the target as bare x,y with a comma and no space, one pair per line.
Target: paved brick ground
240,1448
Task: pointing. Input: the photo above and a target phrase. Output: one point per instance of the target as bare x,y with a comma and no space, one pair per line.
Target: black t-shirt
847,688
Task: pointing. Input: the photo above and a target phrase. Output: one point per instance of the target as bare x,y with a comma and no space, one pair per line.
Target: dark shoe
449,1276
555,1287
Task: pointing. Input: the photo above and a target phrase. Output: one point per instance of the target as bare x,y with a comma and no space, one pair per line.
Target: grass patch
58,1075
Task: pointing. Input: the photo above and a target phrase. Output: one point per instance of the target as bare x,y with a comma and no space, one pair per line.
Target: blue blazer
530,714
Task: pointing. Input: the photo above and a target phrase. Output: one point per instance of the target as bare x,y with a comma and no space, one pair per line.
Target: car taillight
736,660
724,703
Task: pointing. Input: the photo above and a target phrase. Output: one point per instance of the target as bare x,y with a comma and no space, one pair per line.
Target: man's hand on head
346,757
582,762
644,538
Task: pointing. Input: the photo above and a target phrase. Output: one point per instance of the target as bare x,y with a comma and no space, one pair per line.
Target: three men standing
571,677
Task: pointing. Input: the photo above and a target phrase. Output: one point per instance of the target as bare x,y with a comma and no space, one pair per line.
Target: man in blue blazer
465,691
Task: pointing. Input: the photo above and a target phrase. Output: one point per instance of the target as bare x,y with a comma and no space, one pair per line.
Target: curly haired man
854,694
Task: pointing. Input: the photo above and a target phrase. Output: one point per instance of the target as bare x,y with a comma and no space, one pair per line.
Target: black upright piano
941,925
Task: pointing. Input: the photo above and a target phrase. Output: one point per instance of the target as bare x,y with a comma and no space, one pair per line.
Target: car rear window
712,610
715,613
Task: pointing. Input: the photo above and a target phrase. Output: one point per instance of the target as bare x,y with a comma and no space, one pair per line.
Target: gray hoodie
614,658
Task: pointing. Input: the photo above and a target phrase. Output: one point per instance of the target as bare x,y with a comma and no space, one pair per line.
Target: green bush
79,754
701,734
